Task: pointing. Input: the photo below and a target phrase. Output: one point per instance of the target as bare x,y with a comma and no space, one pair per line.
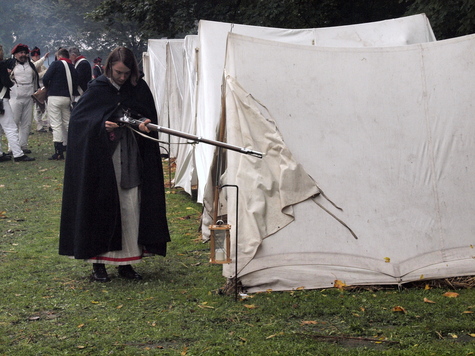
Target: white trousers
59,112
41,118
22,108
10,129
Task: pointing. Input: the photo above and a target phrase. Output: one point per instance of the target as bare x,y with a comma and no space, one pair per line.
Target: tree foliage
448,18
50,24
177,18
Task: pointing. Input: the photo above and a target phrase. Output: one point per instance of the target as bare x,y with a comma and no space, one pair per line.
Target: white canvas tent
212,43
165,76
187,178
386,133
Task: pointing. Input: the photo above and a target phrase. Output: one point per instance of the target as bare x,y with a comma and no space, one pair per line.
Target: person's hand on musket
143,125
111,125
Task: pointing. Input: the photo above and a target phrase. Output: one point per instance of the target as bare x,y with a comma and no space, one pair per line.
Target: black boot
128,272
99,273
58,152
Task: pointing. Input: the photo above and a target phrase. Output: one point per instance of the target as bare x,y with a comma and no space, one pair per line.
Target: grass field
50,307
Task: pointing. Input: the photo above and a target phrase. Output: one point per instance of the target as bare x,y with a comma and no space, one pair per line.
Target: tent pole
221,134
235,239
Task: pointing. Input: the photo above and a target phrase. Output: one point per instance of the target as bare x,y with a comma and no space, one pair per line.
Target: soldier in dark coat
113,208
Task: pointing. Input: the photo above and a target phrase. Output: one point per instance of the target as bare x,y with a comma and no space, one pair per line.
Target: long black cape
90,217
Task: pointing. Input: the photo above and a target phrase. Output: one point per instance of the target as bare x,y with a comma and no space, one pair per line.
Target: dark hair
126,56
63,53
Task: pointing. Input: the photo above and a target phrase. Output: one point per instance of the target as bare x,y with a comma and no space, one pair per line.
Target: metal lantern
220,243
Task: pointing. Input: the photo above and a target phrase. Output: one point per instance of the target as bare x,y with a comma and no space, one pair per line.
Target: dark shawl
90,217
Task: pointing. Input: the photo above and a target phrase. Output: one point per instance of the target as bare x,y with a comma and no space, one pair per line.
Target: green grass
50,307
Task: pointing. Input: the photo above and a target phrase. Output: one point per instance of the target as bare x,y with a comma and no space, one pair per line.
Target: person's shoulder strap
70,81
77,63
3,92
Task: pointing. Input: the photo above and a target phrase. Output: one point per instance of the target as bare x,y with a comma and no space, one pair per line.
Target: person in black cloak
113,209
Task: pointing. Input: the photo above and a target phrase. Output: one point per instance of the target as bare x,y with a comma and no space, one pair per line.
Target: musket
129,120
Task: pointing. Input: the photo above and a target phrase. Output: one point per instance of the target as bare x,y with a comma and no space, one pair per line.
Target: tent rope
334,216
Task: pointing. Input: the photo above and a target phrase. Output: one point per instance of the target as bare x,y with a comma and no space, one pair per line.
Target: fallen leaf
339,284
472,335
387,259
428,301
427,287
468,312
250,306
308,322
399,309
80,325
453,336
120,306
271,336
451,295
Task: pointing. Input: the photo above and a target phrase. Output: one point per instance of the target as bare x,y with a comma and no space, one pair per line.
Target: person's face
21,56
120,73
35,58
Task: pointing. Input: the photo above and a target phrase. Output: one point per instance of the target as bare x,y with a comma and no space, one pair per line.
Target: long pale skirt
130,212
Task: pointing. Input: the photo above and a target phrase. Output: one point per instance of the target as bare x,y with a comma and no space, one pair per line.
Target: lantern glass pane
220,245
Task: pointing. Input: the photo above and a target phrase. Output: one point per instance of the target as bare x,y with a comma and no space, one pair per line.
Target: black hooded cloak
90,216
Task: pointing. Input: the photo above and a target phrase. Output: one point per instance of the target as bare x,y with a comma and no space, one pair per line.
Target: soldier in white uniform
26,80
40,114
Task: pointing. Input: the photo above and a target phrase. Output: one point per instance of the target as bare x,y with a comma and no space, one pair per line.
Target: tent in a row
165,77
352,186
368,170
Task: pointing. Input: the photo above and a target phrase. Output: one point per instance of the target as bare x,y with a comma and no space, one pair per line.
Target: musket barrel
128,120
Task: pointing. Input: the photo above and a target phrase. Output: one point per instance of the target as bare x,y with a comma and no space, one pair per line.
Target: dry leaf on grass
339,284
399,309
451,295
271,336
